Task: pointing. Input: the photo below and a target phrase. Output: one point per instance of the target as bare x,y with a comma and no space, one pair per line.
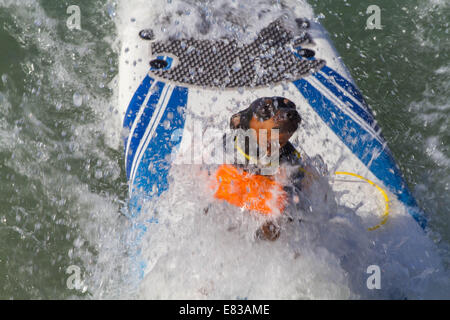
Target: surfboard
168,84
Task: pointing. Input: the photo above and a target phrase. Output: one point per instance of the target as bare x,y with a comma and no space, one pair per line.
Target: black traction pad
224,63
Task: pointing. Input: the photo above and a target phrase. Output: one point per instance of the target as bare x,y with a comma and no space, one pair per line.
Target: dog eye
265,112
268,109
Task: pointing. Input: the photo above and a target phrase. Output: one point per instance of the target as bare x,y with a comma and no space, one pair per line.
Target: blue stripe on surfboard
133,109
136,102
142,125
363,145
134,106
344,83
159,150
363,113
158,154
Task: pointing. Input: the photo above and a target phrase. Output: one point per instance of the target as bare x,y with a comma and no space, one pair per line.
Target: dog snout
290,116
293,115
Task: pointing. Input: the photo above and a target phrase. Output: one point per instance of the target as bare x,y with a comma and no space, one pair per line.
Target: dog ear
235,122
241,120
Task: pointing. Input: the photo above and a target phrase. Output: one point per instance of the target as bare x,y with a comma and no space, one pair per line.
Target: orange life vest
250,191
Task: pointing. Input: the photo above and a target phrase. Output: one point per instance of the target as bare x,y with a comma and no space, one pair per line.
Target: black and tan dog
271,113
274,113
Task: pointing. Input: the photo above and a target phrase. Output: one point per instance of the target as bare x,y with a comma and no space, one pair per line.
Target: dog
268,114
271,113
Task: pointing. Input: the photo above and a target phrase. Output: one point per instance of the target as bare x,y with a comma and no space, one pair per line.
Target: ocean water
63,185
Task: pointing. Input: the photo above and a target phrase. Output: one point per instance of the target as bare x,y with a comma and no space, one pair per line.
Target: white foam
240,20
202,248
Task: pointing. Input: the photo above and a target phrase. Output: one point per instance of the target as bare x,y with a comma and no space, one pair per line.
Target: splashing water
64,190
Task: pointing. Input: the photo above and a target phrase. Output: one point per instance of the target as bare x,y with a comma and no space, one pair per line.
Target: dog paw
268,231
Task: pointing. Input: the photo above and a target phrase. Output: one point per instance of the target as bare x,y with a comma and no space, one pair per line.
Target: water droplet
98,174
111,10
237,65
77,99
320,16
190,49
166,124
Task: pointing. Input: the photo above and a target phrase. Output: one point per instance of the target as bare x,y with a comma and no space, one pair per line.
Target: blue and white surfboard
168,84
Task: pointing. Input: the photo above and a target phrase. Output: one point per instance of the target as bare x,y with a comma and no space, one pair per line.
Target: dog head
269,113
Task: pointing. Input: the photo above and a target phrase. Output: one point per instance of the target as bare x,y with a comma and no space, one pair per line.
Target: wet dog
271,113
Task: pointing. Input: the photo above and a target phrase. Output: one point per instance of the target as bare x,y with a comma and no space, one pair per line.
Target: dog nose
293,116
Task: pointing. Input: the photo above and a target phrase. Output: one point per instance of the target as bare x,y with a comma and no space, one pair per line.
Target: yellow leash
385,215
242,152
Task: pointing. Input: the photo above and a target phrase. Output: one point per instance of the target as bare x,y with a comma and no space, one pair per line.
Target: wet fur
269,113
